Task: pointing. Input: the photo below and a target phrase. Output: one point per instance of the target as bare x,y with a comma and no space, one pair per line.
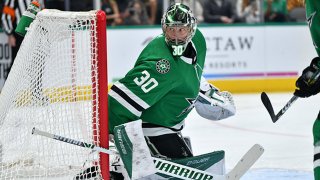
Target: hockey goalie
161,89
168,143
57,84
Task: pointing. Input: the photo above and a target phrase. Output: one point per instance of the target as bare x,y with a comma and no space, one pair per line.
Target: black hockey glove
308,83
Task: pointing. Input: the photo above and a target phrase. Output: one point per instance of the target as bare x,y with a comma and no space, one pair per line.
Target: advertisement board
264,57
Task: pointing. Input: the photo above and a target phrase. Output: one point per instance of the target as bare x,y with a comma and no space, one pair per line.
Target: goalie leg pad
213,163
133,150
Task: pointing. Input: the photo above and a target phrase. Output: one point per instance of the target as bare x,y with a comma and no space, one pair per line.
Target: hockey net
58,84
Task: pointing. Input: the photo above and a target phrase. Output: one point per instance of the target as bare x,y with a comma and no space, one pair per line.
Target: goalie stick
267,104
174,169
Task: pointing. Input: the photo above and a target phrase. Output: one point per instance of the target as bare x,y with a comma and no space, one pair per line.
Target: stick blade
246,162
267,104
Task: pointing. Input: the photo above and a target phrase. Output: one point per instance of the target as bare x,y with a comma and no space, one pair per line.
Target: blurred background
253,45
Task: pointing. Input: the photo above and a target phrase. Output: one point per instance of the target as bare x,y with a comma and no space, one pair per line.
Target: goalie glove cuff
214,105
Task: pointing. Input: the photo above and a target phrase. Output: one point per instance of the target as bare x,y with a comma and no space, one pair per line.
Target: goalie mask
178,26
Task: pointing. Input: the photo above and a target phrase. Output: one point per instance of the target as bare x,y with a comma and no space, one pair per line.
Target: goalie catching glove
214,105
308,83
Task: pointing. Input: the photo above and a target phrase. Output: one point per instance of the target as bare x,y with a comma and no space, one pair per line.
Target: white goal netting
55,86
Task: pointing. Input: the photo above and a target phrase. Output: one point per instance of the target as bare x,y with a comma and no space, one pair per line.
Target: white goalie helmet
178,26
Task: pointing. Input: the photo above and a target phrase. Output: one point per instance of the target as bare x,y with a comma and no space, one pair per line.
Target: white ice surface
288,143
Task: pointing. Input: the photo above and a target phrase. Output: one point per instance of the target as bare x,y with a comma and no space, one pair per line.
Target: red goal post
103,88
58,83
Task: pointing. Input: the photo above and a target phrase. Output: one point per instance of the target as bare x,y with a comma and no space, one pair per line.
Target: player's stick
266,102
181,171
312,77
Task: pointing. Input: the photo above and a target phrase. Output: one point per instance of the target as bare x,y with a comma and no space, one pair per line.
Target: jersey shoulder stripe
124,103
132,96
128,99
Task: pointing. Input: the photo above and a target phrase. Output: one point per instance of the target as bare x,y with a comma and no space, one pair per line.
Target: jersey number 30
177,50
145,82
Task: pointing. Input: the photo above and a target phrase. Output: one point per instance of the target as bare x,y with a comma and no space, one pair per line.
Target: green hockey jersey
161,88
313,18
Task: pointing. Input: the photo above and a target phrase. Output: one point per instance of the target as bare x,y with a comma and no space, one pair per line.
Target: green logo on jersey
163,66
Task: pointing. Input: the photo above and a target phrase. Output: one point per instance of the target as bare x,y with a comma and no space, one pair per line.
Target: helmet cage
176,40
